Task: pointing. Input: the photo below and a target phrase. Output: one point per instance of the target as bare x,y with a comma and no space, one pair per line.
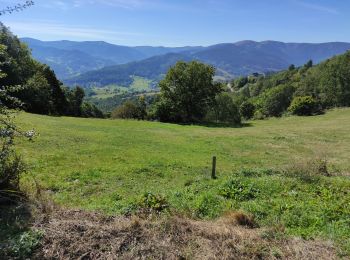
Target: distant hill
69,58
231,60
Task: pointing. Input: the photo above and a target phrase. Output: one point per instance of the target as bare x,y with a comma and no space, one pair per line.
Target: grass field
110,165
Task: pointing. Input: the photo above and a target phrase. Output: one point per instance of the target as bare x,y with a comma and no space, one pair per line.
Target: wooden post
213,172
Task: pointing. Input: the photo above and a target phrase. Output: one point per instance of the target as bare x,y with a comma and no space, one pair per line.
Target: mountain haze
70,58
231,60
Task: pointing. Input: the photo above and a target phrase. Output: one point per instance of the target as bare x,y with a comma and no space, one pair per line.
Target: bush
258,115
131,110
90,110
225,110
304,106
208,206
235,189
153,203
126,111
247,110
275,101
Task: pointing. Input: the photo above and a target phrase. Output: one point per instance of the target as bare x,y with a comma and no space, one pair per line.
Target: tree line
189,95
40,92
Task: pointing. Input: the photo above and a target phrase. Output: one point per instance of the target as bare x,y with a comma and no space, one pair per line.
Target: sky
182,22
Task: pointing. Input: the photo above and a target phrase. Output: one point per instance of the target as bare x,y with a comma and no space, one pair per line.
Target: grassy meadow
266,168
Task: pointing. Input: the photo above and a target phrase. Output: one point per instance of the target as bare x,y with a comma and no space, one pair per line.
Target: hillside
231,60
110,165
327,84
70,58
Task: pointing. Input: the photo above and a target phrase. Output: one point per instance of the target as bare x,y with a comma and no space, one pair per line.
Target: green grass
109,165
108,91
140,84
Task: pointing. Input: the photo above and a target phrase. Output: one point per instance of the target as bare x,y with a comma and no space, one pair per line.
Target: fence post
213,172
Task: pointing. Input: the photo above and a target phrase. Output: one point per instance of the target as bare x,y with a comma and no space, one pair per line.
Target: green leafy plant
152,202
304,106
238,190
23,246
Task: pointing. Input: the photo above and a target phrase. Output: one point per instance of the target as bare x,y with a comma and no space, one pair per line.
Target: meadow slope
109,165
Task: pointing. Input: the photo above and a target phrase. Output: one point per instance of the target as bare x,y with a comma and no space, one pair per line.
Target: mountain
231,60
69,58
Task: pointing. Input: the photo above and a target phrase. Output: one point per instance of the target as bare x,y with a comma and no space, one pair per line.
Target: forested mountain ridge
39,90
231,60
304,90
70,58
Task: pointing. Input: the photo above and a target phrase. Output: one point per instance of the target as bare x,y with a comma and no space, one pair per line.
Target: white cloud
59,31
67,4
318,7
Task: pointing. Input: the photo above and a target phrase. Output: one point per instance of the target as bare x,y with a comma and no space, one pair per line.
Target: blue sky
183,22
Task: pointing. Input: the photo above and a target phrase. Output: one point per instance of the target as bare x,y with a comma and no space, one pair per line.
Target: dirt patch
85,235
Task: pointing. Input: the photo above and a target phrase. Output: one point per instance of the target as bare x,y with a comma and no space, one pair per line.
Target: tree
247,110
275,101
291,67
36,95
224,110
90,110
128,110
304,106
76,101
187,92
16,8
308,64
59,98
240,82
11,165
141,108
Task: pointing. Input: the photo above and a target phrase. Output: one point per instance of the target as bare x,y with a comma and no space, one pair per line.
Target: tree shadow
217,125
15,219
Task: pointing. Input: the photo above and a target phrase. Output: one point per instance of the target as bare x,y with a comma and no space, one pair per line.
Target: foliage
187,92
11,165
240,82
126,111
247,110
208,206
16,8
90,110
276,100
153,202
238,190
22,246
327,83
304,106
224,110
131,110
42,92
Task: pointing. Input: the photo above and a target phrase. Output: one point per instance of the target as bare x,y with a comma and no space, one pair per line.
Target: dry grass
239,218
83,235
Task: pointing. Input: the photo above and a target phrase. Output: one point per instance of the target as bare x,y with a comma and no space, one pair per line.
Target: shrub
275,101
247,110
208,206
225,110
24,245
153,203
90,110
235,189
131,110
308,170
304,106
126,111
258,115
